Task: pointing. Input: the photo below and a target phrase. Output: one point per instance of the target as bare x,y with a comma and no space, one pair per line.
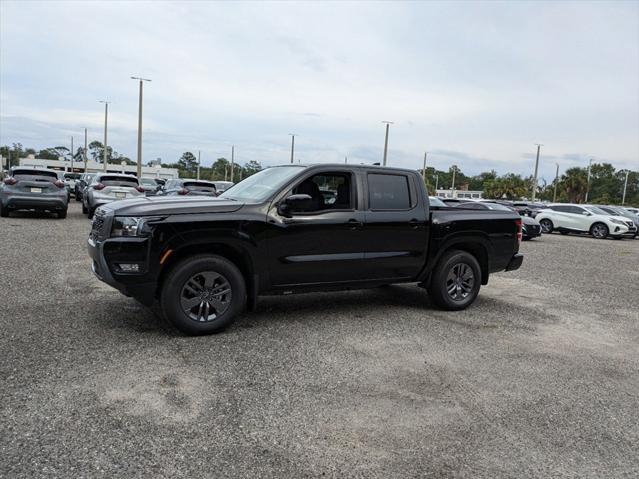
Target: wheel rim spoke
205,296
460,281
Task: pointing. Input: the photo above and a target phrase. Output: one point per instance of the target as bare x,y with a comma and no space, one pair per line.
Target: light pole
198,165
625,185
424,167
588,185
534,185
345,159
142,80
554,196
106,118
72,154
85,150
452,188
292,135
388,123
232,162
436,183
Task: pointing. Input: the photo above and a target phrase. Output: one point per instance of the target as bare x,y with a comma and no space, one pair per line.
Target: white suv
567,218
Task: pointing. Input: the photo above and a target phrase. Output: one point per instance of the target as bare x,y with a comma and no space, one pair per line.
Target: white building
95,167
462,194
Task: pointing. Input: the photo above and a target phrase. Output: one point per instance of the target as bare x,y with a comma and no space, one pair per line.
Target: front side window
388,192
328,191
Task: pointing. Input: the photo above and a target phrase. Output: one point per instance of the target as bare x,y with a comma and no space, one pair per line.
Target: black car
81,183
204,259
184,187
530,228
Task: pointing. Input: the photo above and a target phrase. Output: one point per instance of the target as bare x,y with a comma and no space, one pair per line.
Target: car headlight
618,222
132,226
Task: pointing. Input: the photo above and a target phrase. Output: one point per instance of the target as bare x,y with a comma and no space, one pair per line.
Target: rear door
395,225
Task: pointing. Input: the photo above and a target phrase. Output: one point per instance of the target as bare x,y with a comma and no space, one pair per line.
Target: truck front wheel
203,294
455,281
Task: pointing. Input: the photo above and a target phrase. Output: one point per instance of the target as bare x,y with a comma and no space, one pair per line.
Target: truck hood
171,205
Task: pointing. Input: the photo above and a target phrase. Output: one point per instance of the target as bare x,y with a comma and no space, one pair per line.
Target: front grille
98,226
630,224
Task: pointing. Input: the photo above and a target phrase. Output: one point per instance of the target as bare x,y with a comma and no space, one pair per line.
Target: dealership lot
539,378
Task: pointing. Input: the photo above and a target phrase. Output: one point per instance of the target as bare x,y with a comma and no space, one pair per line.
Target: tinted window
473,206
560,208
388,192
35,174
328,191
107,180
199,186
434,201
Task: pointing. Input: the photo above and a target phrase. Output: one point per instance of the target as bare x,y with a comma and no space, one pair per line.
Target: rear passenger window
388,192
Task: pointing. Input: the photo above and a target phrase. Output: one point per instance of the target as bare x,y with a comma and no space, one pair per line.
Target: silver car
109,187
150,186
33,189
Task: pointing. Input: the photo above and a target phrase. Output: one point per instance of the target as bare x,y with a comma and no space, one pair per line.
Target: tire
451,268
62,214
546,226
564,233
84,209
90,212
202,275
599,231
4,212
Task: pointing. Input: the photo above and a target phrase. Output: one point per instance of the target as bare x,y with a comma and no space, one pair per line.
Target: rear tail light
98,186
519,235
183,191
59,183
140,189
10,181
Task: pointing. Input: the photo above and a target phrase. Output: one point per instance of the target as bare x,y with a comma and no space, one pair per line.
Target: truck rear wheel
203,294
456,280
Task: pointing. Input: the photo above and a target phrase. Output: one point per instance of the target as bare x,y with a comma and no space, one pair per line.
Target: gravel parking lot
540,378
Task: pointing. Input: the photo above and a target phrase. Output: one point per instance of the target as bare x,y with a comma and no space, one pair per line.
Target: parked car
436,202
33,189
160,182
149,185
81,184
571,218
222,186
453,201
528,209
632,210
617,210
204,259
70,180
108,187
530,228
189,187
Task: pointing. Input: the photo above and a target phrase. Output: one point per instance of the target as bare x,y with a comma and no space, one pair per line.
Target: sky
476,84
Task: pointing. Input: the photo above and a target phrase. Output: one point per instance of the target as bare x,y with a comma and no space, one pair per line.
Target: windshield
258,187
434,201
596,211
148,181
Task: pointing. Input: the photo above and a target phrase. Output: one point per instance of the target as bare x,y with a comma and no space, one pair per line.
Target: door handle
414,223
354,224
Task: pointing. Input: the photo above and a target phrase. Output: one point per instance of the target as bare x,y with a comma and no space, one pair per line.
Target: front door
323,243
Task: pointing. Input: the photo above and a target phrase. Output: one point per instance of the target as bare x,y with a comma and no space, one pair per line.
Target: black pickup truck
297,228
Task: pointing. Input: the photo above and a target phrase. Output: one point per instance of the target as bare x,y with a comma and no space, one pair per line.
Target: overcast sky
475,84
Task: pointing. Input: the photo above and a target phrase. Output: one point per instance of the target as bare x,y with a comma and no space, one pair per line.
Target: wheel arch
476,248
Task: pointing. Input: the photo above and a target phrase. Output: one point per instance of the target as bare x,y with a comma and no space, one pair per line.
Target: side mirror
294,203
585,213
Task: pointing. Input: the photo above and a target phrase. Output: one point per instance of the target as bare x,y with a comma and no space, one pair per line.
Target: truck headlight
132,226
618,222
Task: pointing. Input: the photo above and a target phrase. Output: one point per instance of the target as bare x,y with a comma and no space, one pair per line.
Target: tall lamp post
452,188
534,185
292,135
71,154
588,185
554,196
142,80
85,150
106,118
388,124
436,183
625,185
424,167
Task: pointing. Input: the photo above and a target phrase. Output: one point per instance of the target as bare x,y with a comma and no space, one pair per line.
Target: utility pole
142,80
71,153
232,162
85,150
436,183
452,188
554,196
106,117
388,123
588,186
625,185
345,159
292,135
424,167
534,185
198,165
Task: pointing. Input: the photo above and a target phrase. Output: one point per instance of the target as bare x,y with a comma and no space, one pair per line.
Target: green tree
573,185
188,163
251,168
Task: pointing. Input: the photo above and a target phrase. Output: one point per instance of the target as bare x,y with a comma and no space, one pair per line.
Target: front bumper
515,262
108,253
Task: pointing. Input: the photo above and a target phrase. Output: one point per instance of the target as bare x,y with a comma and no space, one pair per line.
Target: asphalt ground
539,378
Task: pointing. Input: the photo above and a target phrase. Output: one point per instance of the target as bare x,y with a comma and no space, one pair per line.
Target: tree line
605,186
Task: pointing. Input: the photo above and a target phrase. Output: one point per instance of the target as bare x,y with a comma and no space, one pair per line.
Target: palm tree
574,182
